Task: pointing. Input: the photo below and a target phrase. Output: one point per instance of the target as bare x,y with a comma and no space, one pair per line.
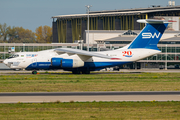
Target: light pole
166,59
88,7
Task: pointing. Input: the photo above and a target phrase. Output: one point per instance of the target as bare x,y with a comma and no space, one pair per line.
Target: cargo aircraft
80,61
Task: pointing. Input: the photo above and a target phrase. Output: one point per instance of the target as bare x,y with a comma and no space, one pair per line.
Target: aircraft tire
75,72
34,72
86,72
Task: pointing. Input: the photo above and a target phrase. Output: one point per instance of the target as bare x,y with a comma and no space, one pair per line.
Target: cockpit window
13,56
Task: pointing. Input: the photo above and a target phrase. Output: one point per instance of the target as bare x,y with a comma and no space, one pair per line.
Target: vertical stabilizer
150,35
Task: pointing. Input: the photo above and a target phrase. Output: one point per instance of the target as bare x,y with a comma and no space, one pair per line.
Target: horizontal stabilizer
150,21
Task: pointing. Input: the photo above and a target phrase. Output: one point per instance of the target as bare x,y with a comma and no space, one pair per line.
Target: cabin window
13,56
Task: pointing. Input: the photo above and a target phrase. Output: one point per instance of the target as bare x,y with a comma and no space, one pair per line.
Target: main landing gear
86,72
79,72
76,72
34,72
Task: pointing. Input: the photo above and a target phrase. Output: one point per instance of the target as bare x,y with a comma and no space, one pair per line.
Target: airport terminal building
68,28
110,30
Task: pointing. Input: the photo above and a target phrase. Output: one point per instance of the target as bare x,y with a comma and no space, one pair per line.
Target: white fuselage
43,58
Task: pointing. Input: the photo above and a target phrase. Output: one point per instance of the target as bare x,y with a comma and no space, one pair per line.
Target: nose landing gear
34,72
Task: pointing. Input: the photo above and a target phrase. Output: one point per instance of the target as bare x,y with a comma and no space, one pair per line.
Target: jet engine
71,63
66,63
56,62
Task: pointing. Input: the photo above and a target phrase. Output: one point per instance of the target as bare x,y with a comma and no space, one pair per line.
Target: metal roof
110,31
98,14
172,38
122,31
120,12
135,9
124,38
130,38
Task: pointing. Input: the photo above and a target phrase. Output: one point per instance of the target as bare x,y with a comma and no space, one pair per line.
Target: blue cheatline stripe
103,64
39,65
149,36
90,65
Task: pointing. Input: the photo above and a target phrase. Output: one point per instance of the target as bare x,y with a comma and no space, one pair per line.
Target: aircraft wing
84,53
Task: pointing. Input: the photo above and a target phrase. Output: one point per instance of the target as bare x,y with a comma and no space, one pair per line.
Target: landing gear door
34,62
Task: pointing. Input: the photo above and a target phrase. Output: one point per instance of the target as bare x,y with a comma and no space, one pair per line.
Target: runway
39,97
122,71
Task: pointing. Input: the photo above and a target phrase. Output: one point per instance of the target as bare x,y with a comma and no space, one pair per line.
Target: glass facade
5,48
171,52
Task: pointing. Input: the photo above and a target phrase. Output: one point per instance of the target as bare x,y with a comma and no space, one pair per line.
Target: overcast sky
31,14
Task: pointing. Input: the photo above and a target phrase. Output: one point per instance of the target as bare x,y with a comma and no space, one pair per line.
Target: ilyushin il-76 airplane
80,61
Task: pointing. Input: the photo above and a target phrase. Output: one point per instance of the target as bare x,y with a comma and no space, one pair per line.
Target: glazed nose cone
5,62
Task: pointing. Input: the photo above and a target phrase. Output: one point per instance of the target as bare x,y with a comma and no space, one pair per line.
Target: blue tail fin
150,35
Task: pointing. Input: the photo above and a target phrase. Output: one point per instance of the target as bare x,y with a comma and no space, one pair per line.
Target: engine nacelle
56,62
71,63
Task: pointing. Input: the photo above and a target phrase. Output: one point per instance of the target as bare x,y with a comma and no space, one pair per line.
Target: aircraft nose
5,62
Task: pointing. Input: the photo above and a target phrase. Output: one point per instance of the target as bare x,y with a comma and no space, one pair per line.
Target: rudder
150,35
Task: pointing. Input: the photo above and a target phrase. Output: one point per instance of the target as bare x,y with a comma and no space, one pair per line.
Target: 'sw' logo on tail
148,35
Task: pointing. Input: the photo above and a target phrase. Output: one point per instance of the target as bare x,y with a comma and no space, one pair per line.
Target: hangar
68,28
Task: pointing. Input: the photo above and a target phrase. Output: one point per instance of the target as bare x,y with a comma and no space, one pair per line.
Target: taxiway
88,96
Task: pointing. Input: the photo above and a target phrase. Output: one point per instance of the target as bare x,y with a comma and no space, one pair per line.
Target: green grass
54,82
91,110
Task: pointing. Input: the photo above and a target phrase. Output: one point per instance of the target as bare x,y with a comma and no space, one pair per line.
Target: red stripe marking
171,21
115,58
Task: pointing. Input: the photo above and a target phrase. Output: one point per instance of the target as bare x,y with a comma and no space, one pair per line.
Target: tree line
8,34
